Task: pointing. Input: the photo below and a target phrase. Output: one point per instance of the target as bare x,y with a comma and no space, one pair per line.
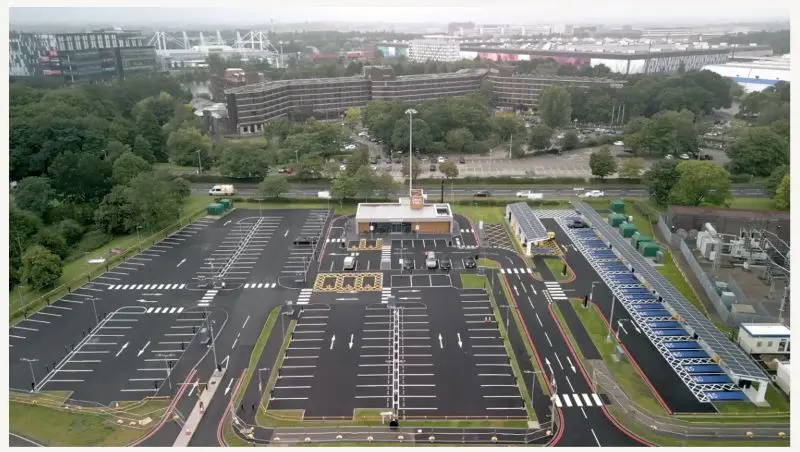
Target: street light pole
259,378
410,112
591,292
297,157
213,343
199,162
611,319
139,237
96,318
30,363
533,382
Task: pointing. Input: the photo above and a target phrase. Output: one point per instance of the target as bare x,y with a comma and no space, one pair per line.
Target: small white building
782,378
526,226
764,338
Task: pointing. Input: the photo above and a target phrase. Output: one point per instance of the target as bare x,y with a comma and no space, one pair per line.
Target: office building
434,48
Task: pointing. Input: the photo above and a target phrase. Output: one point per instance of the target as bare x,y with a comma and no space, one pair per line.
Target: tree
758,151
631,168
660,179
141,147
449,169
555,106
114,149
458,141
571,140
507,125
243,159
386,184
602,163
351,117
782,194
700,182
71,230
415,168
40,268
184,144
148,127
128,166
35,195
53,241
365,182
421,139
273,186
309,167
155,201
358,159
540,137
775,178
344,188
84,177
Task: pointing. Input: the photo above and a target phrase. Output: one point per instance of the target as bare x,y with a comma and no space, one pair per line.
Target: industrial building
409,215
81,57
755,74
765,339
624,56
728,221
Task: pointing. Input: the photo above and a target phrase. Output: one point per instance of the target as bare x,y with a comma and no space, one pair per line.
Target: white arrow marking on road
516,291
286,233
459,340
441,344
245,321
547,361
351,342
142,300
152,295
559,361
227,222
181,262
123,348
569,383
409,290
523,288
143,349
347,299
224,361
229,386
540,320
571,366
548,338
194,386
534,290
410,298
333,338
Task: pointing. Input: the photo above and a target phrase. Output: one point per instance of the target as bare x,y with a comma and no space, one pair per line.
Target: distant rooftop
766,329
397,212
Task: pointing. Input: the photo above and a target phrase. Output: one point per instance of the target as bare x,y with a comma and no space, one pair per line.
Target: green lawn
556,265
488,263
258,348
471,281
753,204
55,427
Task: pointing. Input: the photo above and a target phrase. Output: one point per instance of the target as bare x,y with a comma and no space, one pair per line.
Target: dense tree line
779,40
83,159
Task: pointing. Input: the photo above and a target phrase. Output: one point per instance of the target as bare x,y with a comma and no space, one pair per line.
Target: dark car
408,264
433,167
303,240
481,194
469,262
462,159
445,265
397,160
577,224
628,150
373,160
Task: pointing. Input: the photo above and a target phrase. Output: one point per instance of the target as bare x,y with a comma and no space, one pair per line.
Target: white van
350,263
222,190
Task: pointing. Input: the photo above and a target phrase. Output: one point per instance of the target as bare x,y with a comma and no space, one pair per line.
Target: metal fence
670,427
706,283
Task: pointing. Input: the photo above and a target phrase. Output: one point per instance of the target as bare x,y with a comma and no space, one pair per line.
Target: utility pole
139,237
213,343
510,145
410,112
30,363
199,162
611,319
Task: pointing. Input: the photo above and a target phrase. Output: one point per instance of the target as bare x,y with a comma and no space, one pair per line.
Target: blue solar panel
712,379
653,313
664,324
725,395
681,345
703,369
647,306
530,224
689,354
670,332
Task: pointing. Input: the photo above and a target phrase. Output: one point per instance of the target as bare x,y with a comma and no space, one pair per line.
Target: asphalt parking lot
301,255
439,355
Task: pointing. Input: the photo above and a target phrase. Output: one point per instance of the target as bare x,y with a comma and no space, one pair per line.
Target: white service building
755,75
783,377
765,338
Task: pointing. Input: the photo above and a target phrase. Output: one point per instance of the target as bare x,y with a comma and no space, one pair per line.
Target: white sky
413,11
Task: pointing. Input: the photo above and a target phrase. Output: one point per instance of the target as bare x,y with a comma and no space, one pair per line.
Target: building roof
731,356
396,212
531,226
256,87
766,329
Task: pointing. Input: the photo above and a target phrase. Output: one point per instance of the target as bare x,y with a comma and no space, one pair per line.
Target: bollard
183,345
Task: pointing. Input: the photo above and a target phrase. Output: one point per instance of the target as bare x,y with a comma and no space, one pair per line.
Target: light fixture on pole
533,381
259,378
591,291
30,362
213,343
410,112
611,319
96,318
199,162
139,237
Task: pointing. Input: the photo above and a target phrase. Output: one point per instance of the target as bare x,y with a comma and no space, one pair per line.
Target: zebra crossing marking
165,310
305,296
515,271
173,286
339,240
577,400
555,290
260,285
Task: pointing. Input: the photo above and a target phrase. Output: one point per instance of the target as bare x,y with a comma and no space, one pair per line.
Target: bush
741,178
93,240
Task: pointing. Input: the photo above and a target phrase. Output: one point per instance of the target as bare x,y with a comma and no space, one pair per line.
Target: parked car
593,194
469,262
628,150
441,159
577,224
363,134
350,147
430,260
684,157
397,160
619,143
445,265
462,159
350,263
408,264
303,240
432,167
481,194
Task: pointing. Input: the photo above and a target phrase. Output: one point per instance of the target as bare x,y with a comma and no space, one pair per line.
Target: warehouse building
409,215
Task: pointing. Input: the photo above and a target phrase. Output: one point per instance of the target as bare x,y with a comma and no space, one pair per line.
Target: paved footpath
199,409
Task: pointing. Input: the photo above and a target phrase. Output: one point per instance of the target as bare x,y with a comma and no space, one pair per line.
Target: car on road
441,159
303,240
430,260
342,167
593,194
469,263
408,264
222,190
577,223
350,263
397,160
445,265
481,194
529,194
462,159
619,143
684,157
432,167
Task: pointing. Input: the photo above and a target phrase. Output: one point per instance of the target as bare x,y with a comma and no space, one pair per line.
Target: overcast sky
541,11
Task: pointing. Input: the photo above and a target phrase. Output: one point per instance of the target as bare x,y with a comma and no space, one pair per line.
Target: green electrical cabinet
616,219
617,206
639,241
215,209
627,229
650,249
226,203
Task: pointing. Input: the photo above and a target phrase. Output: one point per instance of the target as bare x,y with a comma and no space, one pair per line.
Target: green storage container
616,219
215,209
650,249
640,240
617,206
627,229
226,203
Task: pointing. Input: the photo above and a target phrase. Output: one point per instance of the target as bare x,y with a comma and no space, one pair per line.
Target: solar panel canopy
731,356
531,226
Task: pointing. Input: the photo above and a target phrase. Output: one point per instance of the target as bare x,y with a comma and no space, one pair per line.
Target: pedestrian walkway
207,298
260,285
515,271
386,257
194,418
146,287
165,310
305,296
555,291
577,400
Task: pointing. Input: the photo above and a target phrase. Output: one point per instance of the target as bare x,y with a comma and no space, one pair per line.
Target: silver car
430,260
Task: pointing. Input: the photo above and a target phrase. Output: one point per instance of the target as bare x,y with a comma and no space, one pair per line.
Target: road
312,190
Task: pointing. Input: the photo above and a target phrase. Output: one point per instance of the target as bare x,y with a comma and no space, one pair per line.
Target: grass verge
488,263
272,418
258,348
62,428
471,281
556,266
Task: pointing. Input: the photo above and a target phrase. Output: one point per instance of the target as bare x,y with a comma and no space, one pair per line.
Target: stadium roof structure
730,355
532,227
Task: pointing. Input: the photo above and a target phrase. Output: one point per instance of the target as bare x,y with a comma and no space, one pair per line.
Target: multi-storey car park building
249,107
